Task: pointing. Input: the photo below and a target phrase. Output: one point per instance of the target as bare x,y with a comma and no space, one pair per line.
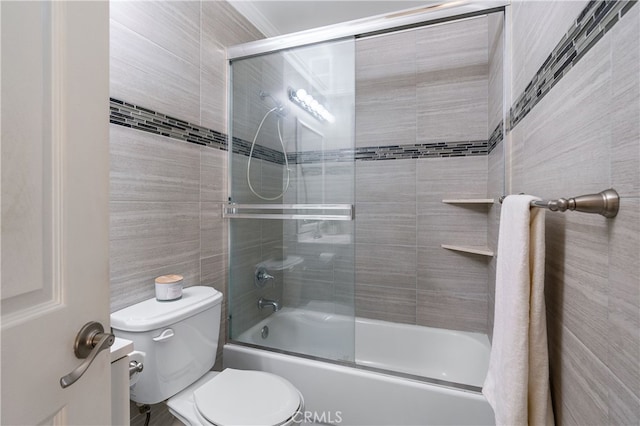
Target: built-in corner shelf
482,251
470,201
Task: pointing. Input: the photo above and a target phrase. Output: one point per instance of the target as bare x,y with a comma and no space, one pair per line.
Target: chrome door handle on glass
91,339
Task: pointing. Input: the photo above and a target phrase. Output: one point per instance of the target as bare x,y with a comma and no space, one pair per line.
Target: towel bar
605,203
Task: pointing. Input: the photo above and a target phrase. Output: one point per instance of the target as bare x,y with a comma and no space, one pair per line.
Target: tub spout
262,303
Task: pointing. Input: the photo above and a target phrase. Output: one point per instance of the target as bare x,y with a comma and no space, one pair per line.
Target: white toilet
179,340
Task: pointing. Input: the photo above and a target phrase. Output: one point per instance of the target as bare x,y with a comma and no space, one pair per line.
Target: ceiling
277,17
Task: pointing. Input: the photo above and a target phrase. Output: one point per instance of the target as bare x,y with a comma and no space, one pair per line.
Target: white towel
517,384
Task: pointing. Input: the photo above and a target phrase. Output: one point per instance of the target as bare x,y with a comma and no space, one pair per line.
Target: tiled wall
417,87
166,193
583,136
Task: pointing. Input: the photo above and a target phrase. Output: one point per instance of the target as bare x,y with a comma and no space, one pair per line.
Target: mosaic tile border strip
393,152
424,150
243,147
495,138
595,20
140,118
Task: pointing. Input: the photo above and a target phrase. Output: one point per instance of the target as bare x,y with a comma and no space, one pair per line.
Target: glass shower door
290,212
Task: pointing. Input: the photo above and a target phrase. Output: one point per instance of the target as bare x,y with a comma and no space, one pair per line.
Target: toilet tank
179,339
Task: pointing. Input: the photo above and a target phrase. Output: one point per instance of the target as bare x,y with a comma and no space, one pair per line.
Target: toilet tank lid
152,314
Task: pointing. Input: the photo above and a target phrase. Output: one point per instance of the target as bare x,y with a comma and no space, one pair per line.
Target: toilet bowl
179,341
238,397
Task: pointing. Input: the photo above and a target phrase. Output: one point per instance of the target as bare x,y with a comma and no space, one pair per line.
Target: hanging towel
517,384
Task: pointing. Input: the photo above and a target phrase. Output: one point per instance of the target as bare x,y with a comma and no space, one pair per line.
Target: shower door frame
379,24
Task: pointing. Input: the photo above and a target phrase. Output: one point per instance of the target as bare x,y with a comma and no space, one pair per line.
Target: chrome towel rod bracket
605,203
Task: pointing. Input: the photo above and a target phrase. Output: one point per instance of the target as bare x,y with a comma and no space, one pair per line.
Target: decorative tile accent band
595,20
495,138
392,152
140,118
240,146
423,150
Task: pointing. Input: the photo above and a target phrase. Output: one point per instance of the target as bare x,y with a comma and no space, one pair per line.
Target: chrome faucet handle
262,277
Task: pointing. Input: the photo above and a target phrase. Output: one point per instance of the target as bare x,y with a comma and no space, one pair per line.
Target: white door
55,189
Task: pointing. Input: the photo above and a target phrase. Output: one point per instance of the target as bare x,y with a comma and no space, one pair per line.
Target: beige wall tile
214,273
179,22
386,223
145,74
386,265
452,311
625,138
386,90
452,81
386,181
453,108
213,101
149,235
495,23
386,303
624,405
454,177
213,230
579,382
213,175
622,335
226,25
148,167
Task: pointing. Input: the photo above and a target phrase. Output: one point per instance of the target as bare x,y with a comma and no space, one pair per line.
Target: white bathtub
342,394
453,356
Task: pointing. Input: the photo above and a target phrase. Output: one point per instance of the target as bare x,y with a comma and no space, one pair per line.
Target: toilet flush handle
165,335
91,339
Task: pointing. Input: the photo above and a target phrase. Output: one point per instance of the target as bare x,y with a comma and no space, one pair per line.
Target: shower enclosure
292,195
401,117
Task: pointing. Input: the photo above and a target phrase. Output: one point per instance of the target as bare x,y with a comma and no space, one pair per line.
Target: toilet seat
237,397
247,398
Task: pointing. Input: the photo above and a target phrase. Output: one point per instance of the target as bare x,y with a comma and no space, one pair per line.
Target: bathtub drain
265,332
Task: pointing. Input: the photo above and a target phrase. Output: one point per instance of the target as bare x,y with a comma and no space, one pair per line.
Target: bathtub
385,386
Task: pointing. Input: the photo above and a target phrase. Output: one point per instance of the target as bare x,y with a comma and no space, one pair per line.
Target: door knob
91,339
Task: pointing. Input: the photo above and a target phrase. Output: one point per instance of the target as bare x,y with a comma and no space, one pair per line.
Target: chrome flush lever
91,339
